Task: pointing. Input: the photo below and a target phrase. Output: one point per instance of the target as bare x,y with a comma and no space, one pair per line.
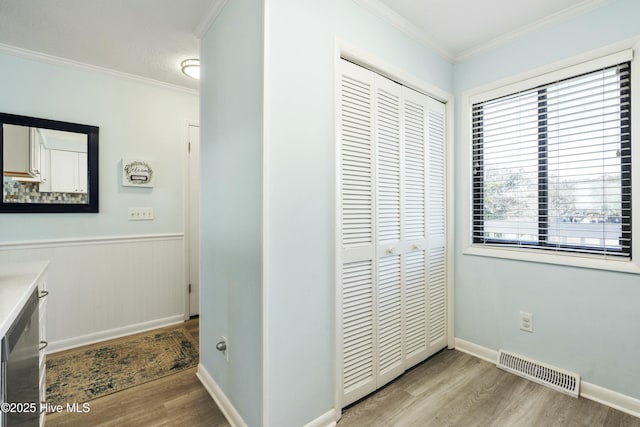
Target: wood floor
450,389
455,389
175,400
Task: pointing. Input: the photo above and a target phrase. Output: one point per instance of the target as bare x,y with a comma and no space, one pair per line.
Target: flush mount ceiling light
191,68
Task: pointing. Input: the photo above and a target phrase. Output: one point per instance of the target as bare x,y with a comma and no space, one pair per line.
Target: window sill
565,259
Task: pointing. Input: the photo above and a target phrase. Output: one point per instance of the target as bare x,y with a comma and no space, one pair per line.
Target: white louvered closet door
424,226
436,227
391,229
415,225
387,149
357,231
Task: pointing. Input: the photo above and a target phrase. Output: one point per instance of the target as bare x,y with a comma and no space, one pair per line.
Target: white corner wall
231,207
268,183
301,50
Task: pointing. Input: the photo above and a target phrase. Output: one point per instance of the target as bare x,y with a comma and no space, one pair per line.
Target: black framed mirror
48,166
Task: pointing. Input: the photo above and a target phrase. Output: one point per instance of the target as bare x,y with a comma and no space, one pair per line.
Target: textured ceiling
150,38
147,38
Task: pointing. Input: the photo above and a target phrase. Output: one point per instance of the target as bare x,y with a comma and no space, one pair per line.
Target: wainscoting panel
103,288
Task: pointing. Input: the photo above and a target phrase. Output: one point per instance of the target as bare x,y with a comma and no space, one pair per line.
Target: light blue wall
585,321
301,147
300,125
231,203
135,119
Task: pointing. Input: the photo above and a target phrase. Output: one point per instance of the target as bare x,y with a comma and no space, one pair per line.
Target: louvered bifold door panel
356,133
388,160
359,367
436,195
357,232
437,300
389,307
388,207
414,165
415,225
415,300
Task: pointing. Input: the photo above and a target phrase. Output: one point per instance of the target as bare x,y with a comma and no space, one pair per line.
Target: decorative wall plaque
137,173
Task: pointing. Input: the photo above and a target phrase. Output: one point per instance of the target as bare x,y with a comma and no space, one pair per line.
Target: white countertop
17,282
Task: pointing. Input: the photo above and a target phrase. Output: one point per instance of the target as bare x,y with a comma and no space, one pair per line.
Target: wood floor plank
456,389
168,401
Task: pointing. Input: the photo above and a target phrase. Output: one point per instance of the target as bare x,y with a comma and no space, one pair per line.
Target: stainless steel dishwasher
20,368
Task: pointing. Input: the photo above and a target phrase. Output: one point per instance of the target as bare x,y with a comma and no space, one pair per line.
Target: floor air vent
557,379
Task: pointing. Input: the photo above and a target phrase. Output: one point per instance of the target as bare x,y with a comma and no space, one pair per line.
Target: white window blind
552,165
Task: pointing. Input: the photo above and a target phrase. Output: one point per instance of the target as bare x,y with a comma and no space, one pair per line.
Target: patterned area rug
100,369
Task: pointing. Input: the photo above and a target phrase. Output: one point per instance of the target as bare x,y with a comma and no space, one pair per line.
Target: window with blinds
552,166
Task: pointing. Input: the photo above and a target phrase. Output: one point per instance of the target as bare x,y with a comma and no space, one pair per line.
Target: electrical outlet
526,321
140,214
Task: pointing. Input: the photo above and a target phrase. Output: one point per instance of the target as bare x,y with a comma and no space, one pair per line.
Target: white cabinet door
16,149
45,170
63,171
68,171
391,228
81,172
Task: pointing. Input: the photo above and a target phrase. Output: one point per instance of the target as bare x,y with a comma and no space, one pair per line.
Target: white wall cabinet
16,149
391,228
67,171
22,151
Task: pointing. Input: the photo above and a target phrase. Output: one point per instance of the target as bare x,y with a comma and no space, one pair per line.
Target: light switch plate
140,214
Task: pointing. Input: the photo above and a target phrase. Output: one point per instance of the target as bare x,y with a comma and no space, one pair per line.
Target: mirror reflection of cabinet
67,171
36,146
59,161
18,156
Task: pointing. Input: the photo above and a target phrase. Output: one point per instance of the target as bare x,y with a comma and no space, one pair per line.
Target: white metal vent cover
557,379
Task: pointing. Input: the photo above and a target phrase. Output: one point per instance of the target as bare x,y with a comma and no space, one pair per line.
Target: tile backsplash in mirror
28,192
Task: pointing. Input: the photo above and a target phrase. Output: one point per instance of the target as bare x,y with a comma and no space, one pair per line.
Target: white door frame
186,223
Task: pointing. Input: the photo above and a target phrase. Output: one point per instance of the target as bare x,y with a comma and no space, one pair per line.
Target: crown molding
410,29
56,60
578,9
381,10
208,19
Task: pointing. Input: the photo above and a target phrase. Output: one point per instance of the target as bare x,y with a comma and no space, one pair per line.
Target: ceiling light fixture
191,68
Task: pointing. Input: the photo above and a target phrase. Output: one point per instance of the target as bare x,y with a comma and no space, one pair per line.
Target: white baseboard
74,342
325,420
476,350
610,398
221,399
